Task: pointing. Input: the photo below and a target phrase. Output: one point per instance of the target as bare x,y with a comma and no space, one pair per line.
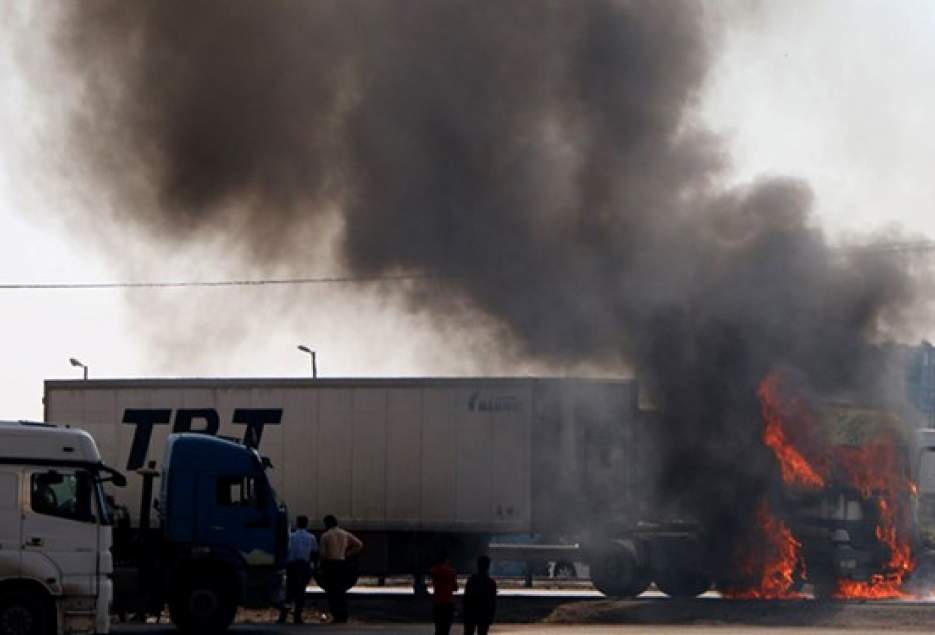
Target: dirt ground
548,605
805,613
906,616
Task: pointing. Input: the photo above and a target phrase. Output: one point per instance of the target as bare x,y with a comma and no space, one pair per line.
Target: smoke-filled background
531,164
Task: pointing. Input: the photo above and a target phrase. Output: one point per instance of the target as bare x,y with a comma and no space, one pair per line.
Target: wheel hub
16,620
203,603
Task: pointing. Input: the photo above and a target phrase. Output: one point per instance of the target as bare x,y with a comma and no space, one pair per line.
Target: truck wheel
203,604
682,584
618,574
824,590
22,614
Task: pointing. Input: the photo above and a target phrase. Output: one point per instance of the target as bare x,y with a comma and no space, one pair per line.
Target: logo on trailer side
210,423
496,403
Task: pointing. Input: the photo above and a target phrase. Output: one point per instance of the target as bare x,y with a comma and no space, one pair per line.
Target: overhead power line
881,248
893,247
220,283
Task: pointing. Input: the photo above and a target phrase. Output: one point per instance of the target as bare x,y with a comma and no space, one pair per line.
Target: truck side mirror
115,477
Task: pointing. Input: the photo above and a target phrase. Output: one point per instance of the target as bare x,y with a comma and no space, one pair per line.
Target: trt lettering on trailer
200,420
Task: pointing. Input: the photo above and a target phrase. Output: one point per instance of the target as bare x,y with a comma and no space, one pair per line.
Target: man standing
480,599
444,586
337,545
303,549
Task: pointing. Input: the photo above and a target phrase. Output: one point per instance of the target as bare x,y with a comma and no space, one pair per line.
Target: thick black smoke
539,156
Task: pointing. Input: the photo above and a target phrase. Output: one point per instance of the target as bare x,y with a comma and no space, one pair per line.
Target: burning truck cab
851,502
837,528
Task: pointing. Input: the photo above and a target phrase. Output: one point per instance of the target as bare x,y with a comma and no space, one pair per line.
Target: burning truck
844,519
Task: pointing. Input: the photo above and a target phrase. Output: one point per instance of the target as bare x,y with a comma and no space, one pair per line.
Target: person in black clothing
480,599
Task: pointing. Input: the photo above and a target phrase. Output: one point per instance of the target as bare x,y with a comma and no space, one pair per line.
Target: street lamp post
75,362
306,349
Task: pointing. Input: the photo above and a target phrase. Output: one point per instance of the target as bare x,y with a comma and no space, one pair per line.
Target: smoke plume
539,158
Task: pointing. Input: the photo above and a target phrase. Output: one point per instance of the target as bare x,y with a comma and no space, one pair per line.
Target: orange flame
796,469
777,561
875,470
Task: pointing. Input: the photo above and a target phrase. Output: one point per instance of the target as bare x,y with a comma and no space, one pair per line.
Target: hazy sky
839,93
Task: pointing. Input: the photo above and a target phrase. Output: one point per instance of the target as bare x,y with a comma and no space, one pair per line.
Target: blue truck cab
223,530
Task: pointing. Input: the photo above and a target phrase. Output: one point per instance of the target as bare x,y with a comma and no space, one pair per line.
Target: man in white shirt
303,550
337,545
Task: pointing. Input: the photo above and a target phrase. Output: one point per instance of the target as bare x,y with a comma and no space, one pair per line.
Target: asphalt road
529,629
543,611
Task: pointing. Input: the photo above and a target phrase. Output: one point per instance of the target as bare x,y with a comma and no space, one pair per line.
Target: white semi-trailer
419,465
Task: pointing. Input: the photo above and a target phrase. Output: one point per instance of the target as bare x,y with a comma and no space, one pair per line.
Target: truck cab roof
28,440
195,449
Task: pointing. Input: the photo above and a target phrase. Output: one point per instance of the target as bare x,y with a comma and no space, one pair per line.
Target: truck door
61,530
11,541
236,513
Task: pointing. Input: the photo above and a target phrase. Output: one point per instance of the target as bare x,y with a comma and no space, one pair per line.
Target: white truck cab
55,534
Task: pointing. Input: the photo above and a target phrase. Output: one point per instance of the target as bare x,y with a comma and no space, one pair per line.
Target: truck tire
346,581
683,583
203,603
564,569
616,573
824,590
24,614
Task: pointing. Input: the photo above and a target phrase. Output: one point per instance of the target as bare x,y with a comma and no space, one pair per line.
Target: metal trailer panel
382,454
591,460
295,466
403,466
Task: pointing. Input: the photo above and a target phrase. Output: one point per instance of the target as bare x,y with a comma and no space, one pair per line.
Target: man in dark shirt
444,586
480,599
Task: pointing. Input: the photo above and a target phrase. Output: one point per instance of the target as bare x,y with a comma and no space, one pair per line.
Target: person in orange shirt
444,586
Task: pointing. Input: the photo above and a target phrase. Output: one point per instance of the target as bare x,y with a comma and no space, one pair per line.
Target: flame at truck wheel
874,470
772,558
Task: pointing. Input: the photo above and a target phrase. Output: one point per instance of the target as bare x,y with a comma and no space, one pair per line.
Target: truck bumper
104,600
855,564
